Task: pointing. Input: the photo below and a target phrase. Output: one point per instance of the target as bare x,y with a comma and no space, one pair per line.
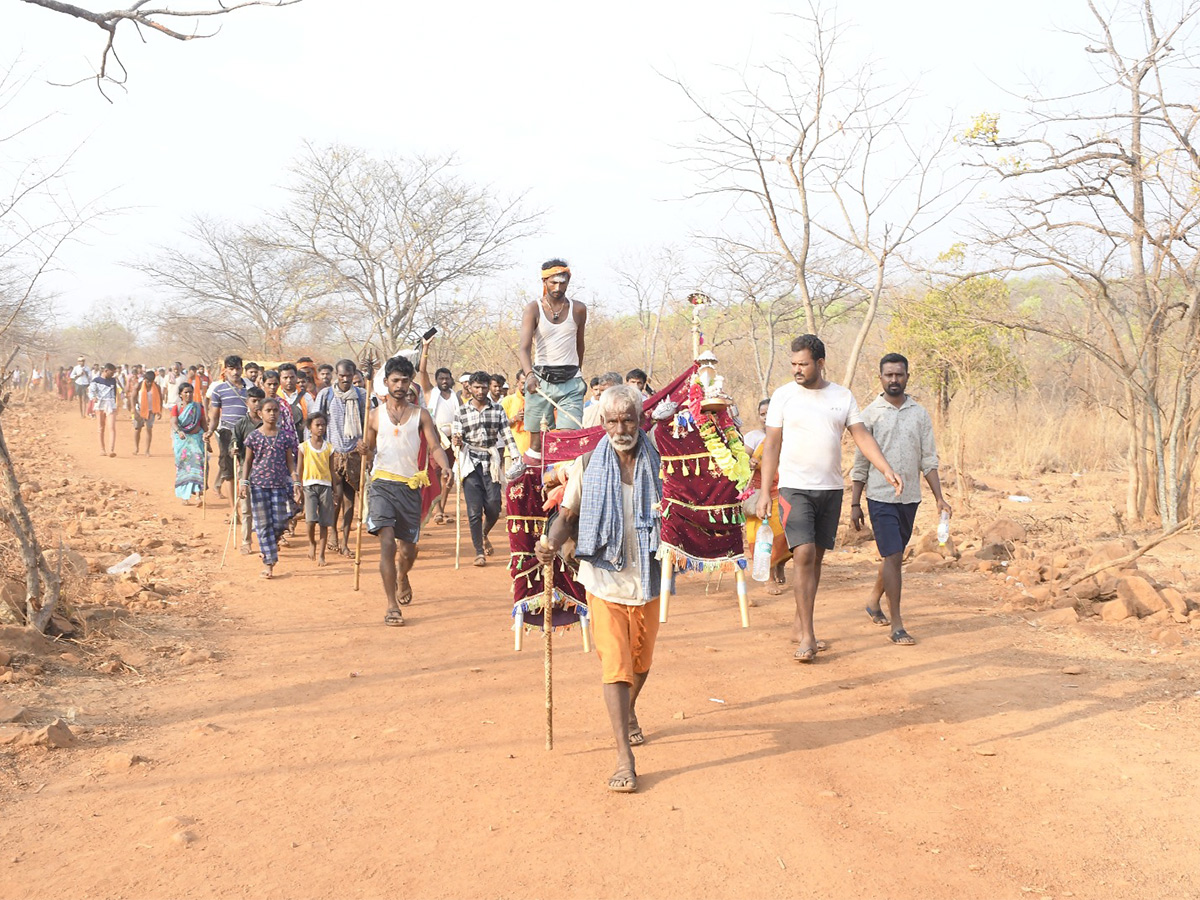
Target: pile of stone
1057,579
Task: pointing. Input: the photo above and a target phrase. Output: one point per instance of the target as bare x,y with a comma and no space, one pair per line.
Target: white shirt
173,383
813,422
623,586
442,409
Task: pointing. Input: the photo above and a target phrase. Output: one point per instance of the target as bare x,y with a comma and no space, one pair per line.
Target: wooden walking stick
204,479
362,514
458,505
369,365
548,638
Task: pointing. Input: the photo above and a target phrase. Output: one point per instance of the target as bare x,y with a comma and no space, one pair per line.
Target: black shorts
395,505
810,517
892,524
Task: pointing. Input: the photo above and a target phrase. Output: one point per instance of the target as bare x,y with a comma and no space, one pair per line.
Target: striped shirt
329,403
231,402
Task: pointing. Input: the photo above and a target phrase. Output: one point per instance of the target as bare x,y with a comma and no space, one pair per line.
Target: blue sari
189,451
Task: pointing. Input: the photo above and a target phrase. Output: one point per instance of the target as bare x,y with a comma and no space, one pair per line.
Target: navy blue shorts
892,524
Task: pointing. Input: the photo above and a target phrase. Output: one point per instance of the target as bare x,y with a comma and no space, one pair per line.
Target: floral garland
721,439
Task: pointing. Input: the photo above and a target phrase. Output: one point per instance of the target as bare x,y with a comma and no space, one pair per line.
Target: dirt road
320,754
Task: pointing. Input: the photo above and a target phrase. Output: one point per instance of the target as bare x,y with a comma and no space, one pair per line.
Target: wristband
856,506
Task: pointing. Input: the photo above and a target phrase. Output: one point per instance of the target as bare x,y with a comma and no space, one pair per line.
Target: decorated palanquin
525,507
524,502
705,473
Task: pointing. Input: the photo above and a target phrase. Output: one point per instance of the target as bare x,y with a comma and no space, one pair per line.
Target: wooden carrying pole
548,639
743,602
362,514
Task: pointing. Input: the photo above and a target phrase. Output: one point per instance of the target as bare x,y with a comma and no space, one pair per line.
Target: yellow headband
555,270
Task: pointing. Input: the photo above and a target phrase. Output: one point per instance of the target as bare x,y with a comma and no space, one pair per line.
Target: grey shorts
391,504
568,396
810,517
318,504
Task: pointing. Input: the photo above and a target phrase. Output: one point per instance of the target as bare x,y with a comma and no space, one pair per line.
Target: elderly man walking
611,508
346,408
904,432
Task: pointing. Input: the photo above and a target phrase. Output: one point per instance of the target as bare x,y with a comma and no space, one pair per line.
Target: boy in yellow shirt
315,455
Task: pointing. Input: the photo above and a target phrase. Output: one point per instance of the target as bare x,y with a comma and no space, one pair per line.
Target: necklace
555,314
395,424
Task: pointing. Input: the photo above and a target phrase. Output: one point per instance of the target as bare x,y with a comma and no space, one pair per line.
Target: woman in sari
187,430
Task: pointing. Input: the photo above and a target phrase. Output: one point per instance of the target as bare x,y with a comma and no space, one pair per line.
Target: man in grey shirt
904,432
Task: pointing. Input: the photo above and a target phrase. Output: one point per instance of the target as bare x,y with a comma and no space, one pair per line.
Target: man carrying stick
552,329
610,507
346,407
392,438
478,426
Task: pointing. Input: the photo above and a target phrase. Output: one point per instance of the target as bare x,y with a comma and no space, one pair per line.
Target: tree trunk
39,603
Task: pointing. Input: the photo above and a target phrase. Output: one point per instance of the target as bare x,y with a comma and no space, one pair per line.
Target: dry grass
1030,438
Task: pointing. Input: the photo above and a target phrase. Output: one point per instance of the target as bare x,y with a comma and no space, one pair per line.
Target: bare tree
241,273
180,24
654,279
801,146
1101,189
389,233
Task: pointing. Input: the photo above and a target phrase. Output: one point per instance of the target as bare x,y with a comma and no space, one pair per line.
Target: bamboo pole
548,642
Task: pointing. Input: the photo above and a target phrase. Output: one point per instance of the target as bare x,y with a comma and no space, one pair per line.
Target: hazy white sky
564,100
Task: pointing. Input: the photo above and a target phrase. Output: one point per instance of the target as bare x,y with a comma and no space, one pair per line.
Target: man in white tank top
554,327
392,444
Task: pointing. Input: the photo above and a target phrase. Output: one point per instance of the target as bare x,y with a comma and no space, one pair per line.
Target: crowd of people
298,441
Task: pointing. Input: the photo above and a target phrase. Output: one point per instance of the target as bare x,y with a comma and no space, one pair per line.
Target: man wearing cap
554,325
81,378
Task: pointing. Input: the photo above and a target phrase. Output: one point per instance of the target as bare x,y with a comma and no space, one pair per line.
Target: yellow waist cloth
420,480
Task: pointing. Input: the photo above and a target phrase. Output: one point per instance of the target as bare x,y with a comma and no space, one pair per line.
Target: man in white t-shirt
81,377
805,421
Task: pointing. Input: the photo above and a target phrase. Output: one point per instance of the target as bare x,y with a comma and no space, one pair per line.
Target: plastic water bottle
762,552
943,528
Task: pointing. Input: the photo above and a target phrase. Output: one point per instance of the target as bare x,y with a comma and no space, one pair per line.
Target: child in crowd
269,482
317,484
102,394
237,446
